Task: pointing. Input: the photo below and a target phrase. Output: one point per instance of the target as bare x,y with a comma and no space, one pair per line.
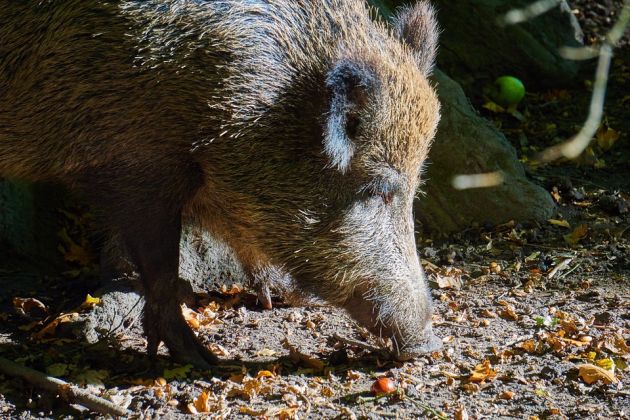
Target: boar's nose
428,344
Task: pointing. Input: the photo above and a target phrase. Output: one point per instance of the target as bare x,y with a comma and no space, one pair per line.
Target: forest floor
535,320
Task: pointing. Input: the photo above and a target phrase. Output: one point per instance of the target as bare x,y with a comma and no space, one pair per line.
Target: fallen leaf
530,346
265,374
287,413
486,313
508,313
73,252
91,377
561,223
461,413
179,372
506,395
493,107
616,344
577,235
266,353
235,289
447,282
251,412
591,373
353,375
57,369
51,327
495,267
608,364
606,137
90,301
483,372
202,403
27,305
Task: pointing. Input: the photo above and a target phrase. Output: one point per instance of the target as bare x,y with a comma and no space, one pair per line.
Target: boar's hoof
167,324
264,296
430,344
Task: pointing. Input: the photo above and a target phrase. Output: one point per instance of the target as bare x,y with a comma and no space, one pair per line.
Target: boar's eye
384,188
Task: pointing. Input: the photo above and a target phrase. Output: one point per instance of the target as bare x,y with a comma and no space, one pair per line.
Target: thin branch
574,147
68,392
527,13
466,182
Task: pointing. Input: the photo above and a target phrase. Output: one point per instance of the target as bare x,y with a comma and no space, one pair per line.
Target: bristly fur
294,130
417,26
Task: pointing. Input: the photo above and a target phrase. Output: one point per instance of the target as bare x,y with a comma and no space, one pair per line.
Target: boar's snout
429,343
401,312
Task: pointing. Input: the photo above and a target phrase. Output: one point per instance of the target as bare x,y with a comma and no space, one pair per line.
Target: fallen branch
70,393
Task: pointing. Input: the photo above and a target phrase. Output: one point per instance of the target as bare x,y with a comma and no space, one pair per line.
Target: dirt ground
535,320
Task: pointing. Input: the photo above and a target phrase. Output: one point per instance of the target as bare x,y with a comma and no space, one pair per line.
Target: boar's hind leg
153,244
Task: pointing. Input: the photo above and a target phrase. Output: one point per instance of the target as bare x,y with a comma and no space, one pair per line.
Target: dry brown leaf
486,313
254,413
27,305
530,346
219,350
191,317
202,402
266,353
470,387
287,413
265,374
483,372
353,375
508,313
51,327
234,289
606,137
577,235
461,413
506,395
616,344
238,379
591,373
448,282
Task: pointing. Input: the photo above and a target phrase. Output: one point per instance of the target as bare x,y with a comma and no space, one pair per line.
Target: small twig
564,264
566,273
70,393
451,324
358,343
519,340
428,408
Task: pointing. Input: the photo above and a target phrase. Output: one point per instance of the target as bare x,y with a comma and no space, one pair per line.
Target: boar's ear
417,26
349,84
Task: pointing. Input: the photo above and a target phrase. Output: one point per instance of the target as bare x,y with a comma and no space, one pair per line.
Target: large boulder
469,144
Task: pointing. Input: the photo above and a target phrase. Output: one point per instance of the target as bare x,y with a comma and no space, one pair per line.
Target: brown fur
293,130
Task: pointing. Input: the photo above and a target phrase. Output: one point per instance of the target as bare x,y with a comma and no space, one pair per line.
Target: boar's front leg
145,209
154,247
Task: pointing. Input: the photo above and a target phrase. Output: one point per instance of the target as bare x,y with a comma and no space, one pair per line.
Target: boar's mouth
406,344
